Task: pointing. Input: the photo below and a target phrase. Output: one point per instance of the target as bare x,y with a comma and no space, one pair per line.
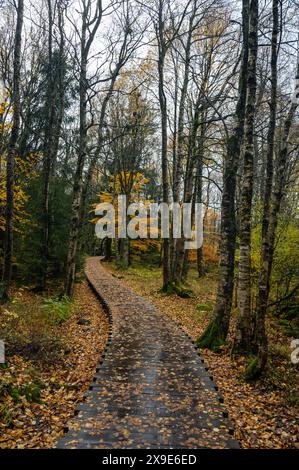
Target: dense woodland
168,101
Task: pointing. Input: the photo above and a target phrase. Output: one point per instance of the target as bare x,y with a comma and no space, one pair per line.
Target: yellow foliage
23,171
211,238
136,182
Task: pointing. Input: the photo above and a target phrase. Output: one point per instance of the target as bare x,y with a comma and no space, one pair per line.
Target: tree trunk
178,255
48,148
10,163
124,253
198,192
269,234
163,112
107,249
101,140
216,333
244,327
55,109
260,336
191,183
77,188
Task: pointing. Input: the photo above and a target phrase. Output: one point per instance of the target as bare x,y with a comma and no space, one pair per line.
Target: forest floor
265,412
52,349
151,390
51,359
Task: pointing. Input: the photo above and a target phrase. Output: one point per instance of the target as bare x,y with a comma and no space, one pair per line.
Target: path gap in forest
152,389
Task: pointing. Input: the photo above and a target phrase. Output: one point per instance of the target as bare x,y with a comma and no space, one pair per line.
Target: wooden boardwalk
151,389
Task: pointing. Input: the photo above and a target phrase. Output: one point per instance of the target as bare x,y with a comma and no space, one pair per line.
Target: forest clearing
149,224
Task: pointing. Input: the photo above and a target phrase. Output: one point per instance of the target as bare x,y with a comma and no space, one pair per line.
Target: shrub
58,309
31,391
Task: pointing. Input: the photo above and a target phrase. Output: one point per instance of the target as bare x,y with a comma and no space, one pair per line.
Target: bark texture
54,115
260,336
243,334
162,48
12,150
87,37
216,333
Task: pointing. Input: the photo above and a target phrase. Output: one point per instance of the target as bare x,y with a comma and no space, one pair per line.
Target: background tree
217,330
12,150
243,333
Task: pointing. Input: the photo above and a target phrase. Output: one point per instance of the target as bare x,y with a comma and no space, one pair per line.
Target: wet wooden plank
151,388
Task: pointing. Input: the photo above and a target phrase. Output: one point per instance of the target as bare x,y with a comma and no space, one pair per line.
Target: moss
178,289
252,368
212,338
184,293
168,288
15,394
290,327
204,307
31,391
6,416
292,311
284,322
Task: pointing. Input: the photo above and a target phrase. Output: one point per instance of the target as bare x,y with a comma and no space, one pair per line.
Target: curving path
151,389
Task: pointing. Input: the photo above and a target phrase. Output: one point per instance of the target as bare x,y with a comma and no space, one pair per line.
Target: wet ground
151,388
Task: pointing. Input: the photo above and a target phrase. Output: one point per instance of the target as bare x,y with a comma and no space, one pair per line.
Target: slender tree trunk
178,258
124,253
10,163
190,187
198,189
163,112
48,146
101,140
77,188
260,336
216,332
92,166
181,123
244,327
2,206
108,249
175,119
269,232
54,109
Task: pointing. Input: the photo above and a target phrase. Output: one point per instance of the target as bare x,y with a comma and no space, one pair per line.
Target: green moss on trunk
212,338
178,289
251,370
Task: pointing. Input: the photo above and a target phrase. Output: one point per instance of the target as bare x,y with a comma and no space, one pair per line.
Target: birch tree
243,334
217,330
272,204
